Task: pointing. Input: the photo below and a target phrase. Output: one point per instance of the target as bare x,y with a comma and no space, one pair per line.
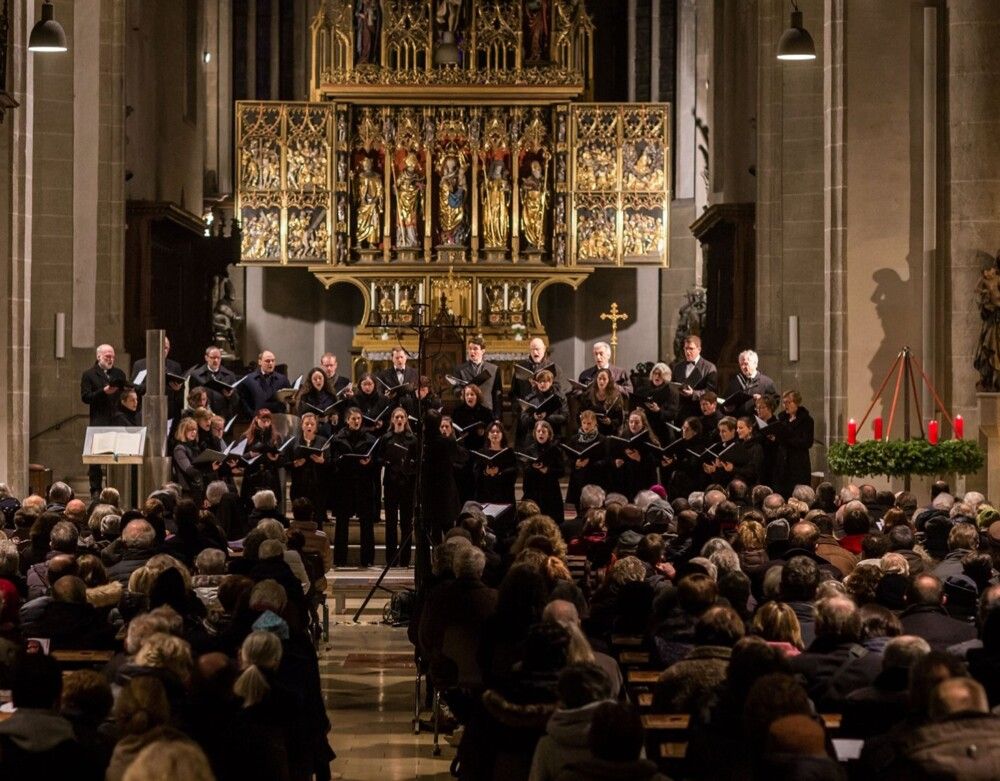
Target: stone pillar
973,194
156,468
16,193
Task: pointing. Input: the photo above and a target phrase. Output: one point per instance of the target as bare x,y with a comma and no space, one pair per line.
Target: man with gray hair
871,710
832,664
59,495
749,381
565,613
100,387
139,539
62,541
602,360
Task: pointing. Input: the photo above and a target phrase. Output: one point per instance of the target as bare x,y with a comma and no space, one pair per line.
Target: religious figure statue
370,196
405,305
225,316
386,307
496,205
987,361
536,14
516,305
534,201
368,19
409,192
452,215
690,319
449,14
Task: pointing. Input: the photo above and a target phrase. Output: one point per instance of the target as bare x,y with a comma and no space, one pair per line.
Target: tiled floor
368,684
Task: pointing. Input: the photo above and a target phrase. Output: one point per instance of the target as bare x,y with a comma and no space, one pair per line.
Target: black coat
259,391
102,405
936,627
439,490
498,488
201,376
309,478
593,472
543,488
704,377
760,385
794,442
490,383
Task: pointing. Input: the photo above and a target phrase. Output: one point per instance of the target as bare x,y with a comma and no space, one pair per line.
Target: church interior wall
63,266
884,205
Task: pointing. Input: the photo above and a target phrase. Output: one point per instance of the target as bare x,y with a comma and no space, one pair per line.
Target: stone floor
368,684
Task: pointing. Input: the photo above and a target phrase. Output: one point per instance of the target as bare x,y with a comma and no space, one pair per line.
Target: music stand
117,447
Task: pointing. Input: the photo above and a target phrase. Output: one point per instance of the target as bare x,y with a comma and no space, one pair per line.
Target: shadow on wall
894,299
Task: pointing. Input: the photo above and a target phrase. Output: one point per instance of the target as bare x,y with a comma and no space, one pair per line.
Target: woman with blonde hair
142,715
541,525
777,624
183,468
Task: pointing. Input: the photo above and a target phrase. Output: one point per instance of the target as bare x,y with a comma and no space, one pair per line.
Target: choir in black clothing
357,446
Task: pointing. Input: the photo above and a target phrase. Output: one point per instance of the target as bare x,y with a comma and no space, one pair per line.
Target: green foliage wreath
898,458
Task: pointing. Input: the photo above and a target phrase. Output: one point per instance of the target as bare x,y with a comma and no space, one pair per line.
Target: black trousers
355,500
95,472
398,511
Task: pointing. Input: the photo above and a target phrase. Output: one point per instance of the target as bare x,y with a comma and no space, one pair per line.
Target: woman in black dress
262,449
606,402
356,488
661,400
543,466
634,466
680,469
495,468
471,418
397,452
794,467
587,456
768,435
315,397
373,405
542,403
307,464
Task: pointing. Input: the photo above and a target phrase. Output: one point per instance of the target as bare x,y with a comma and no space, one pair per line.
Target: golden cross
614,316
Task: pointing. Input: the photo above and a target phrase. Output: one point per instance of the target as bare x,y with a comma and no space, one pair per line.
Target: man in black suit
697,376
478,371
389,380
174,389
100,387
521,387
335,383
260,389
223,402
602,360
751,382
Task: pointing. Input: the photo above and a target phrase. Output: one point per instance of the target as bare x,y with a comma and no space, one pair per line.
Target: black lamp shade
796,43
47,35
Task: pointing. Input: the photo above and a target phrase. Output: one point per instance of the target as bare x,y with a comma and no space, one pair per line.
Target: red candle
852,432
932,432
877,427
959,427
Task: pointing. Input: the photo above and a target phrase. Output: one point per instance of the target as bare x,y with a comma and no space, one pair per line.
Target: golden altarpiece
449,156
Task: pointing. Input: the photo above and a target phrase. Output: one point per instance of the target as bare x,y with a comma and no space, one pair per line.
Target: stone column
16,193
973,190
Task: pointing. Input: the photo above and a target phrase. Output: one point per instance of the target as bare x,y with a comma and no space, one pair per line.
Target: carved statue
409,193
534,201
987,361
496,206
536,14
370,198
225,316
449,14
386,307
368,17
452,200
690,319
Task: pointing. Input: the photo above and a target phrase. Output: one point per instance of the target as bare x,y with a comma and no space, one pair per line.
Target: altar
450,161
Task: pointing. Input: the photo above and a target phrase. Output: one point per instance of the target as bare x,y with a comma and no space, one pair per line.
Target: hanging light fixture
47,35
796,43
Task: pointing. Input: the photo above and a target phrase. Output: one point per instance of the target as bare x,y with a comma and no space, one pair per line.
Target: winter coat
565,742
687,684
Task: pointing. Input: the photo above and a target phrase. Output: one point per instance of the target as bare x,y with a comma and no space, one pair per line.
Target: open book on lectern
115,441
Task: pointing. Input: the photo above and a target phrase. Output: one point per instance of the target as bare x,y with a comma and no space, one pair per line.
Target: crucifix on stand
614,316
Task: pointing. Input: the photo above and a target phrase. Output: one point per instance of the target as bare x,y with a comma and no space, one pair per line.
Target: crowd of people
769,620
205,646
